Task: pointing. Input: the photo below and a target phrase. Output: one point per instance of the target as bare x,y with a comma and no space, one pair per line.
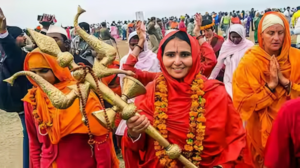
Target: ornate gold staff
105,54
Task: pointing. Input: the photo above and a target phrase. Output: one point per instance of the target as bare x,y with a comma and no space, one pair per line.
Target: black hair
181,35
226,14
191,20
268,10
125,22
153,18
65,38
103,24
85,26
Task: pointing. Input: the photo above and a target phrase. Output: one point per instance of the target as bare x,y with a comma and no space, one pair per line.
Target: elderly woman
267,76
174,102
232,51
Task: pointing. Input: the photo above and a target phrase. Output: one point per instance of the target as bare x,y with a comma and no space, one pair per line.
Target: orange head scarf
287,39
58,123
256,104
37,59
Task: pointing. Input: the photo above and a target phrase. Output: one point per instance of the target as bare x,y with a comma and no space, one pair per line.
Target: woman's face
177,58
133,42
273,38
208,33
235,38
45,73
59,40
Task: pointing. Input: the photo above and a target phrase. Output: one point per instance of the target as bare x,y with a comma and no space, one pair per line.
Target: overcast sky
23,13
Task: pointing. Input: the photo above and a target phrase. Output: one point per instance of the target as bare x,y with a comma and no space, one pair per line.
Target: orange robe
257,105
58,124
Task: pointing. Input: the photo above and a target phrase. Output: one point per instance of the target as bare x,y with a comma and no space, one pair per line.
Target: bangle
133,137
3,32
272,90
201,36
287,85
141,48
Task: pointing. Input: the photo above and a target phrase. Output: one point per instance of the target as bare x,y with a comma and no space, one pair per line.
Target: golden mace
105,55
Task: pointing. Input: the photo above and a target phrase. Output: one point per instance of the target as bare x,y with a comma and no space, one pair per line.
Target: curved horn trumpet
100,47
106,54
57,98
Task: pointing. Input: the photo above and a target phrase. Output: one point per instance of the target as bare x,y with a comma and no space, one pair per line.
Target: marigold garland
193,147
207,26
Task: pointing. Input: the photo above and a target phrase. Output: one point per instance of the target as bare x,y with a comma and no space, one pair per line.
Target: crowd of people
225,100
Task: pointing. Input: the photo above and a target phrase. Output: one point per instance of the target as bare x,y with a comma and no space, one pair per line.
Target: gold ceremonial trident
105,55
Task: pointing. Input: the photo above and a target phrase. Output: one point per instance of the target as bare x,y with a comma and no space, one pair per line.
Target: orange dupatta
60,122
257,105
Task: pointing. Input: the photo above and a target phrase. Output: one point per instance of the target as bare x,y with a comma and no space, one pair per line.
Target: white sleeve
216,70
4,35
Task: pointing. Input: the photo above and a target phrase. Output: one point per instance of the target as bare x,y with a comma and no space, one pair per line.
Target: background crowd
225,32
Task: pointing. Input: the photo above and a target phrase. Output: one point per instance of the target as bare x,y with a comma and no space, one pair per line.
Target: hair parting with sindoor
180,35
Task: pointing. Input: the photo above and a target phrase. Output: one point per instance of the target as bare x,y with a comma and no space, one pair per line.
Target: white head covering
235,52
229,47
171,30
257,13
271,20
57,29
147,60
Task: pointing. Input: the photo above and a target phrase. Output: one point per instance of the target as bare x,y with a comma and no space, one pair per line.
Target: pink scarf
235,52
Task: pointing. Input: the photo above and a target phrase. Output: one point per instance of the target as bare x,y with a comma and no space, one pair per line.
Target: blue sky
24,13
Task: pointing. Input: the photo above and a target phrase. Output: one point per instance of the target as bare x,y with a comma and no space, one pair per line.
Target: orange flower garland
193,148
207,26
42,125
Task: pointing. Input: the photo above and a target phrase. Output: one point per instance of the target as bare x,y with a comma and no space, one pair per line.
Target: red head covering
179,98
173,83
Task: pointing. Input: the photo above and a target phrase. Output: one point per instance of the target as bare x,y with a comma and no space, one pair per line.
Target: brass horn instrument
106,54
132,88
56,97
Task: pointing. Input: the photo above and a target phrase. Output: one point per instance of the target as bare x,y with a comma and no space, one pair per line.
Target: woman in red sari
187,109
